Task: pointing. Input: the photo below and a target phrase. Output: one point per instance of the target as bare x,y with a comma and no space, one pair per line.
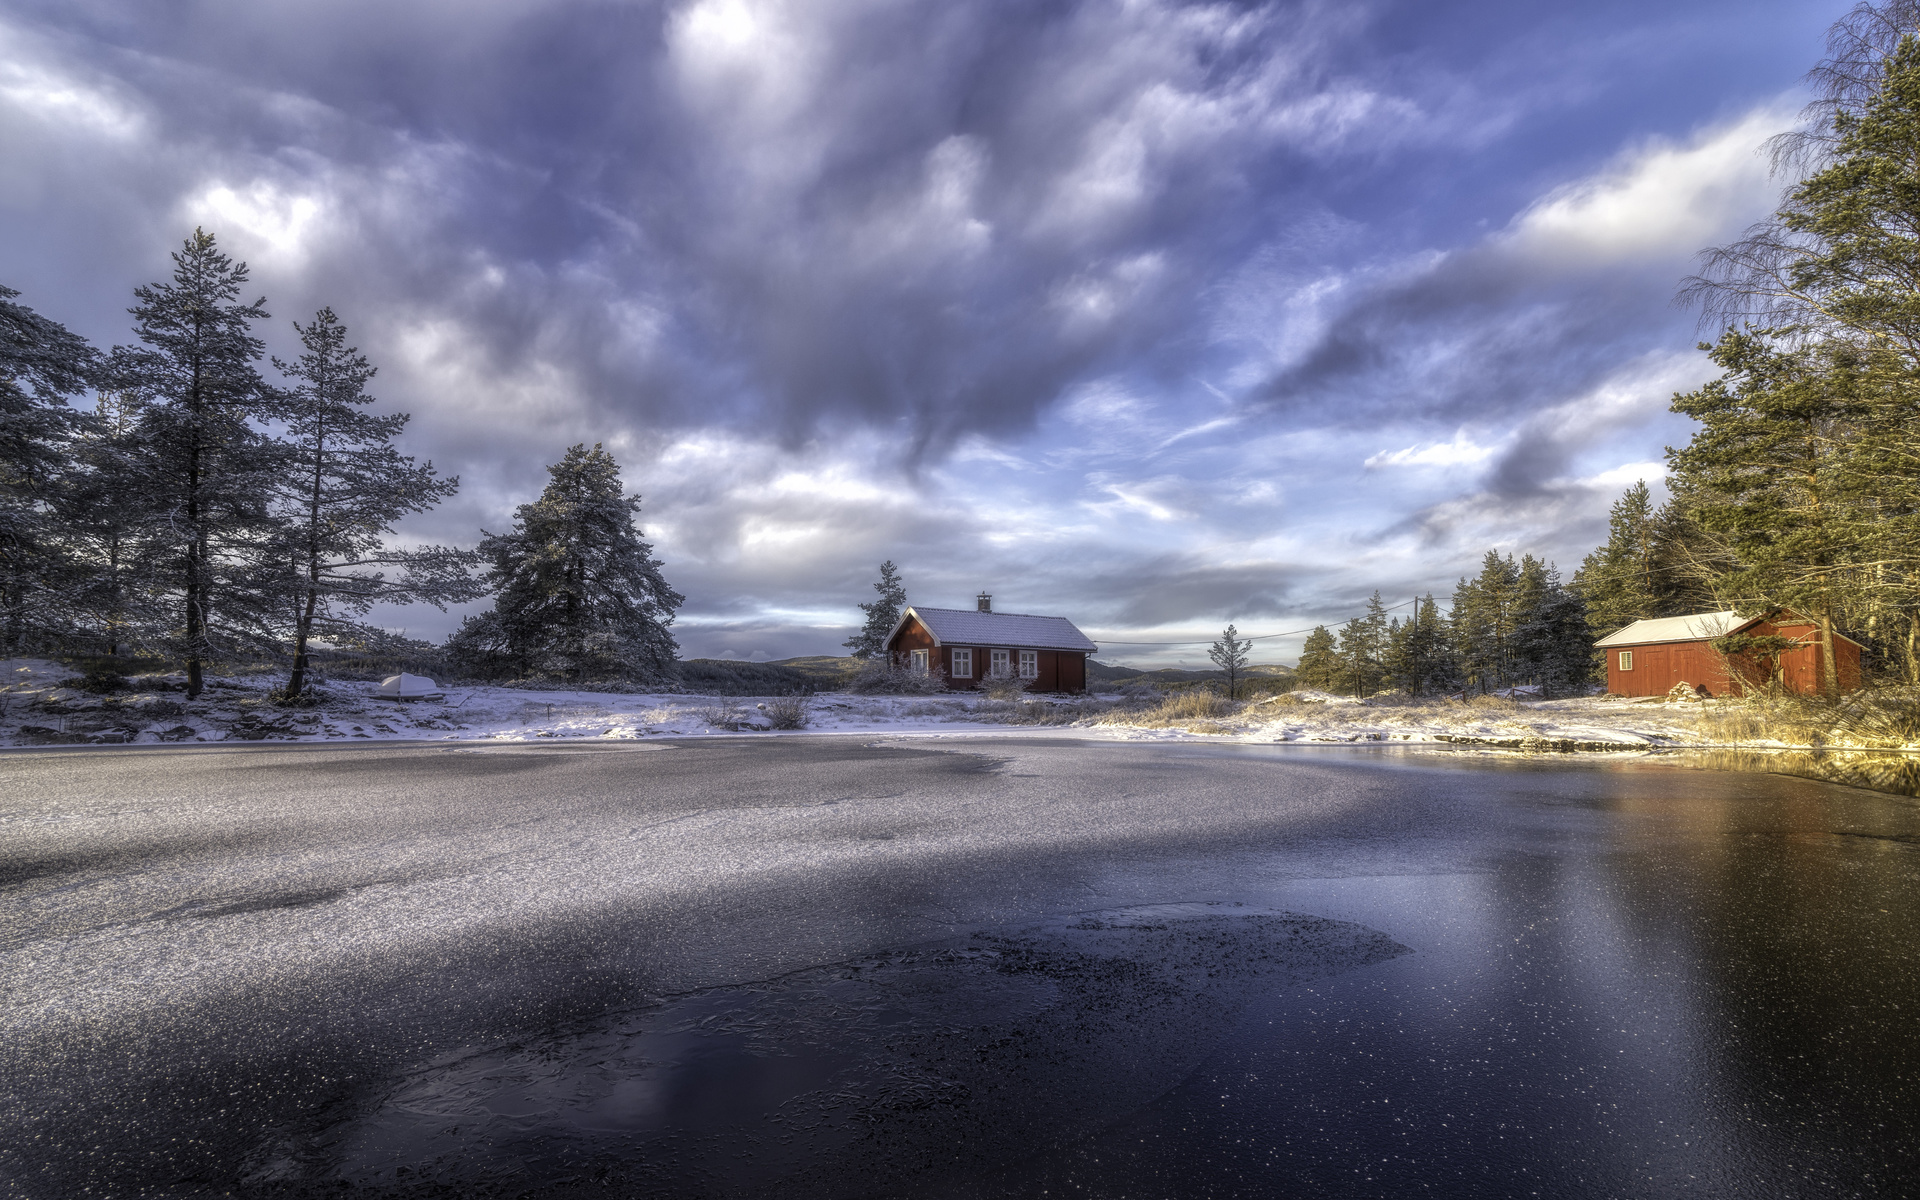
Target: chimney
984,601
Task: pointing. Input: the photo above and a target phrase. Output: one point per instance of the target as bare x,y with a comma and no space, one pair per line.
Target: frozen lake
991,967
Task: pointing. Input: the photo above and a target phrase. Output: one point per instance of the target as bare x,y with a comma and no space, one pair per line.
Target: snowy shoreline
39,706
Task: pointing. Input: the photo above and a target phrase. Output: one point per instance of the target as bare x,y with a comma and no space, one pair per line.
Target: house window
998,666
1029,664
963,664
1626,660
918,660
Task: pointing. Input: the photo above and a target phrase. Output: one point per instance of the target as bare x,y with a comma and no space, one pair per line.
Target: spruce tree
1229,652
213,472
1319,661
1617,580
344,486
882,614
41,366
1552,641
580,595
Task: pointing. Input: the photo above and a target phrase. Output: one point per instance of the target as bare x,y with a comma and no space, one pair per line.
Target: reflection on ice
1880,770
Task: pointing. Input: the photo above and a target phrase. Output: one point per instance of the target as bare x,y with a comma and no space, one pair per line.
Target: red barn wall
1658,666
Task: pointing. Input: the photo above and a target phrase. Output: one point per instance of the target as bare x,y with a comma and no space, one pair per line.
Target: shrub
102,681
878,676
788,712
1003,687
726,714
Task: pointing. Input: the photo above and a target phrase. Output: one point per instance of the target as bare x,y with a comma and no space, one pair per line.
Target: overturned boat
408,687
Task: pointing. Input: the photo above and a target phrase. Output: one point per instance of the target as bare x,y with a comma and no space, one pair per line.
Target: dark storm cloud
927,214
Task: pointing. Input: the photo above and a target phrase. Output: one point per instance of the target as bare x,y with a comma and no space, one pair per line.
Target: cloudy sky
1151,314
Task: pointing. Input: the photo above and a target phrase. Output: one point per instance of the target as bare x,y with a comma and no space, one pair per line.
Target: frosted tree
41,366
882,614
111,530
211,473
343,487
1552,641
579,594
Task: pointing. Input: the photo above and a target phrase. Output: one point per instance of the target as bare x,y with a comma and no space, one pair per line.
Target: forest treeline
199,511
1513,625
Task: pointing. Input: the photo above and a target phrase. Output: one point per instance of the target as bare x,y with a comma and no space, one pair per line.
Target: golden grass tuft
1179,709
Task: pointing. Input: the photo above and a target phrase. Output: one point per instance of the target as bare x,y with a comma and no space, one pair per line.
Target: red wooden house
966,646
1648,658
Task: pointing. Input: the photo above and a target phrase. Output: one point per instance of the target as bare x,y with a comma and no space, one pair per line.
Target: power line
1257,638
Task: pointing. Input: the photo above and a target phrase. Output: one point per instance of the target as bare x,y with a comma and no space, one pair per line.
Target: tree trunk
1829,669
1913,647
297,681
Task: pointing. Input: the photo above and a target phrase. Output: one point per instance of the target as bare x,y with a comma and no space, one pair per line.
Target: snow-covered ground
39,705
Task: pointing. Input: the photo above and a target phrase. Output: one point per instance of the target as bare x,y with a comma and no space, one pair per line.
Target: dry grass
1880,718
1180,710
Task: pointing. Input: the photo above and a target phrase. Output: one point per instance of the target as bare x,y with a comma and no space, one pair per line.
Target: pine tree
1363,645
41,366
882,614
1230,653
344,487
1319,661
213,471
580,595
1419,658
1483,623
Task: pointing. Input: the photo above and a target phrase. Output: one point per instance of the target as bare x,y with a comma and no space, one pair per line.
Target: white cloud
277,220
1461,450
39,90
1660,200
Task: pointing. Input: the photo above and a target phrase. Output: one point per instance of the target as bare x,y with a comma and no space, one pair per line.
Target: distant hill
828,672
736,677
1107,673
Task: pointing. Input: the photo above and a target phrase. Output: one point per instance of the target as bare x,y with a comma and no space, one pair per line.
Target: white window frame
963,656
1626,660
917,660
999,664
1029,664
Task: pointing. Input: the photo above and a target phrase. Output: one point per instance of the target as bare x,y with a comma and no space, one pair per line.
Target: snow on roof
968,627
1694,628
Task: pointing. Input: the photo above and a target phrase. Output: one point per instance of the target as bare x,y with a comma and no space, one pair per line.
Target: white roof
968,627
1695,628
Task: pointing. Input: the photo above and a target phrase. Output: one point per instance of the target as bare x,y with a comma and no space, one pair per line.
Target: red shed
966,646
1648,658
